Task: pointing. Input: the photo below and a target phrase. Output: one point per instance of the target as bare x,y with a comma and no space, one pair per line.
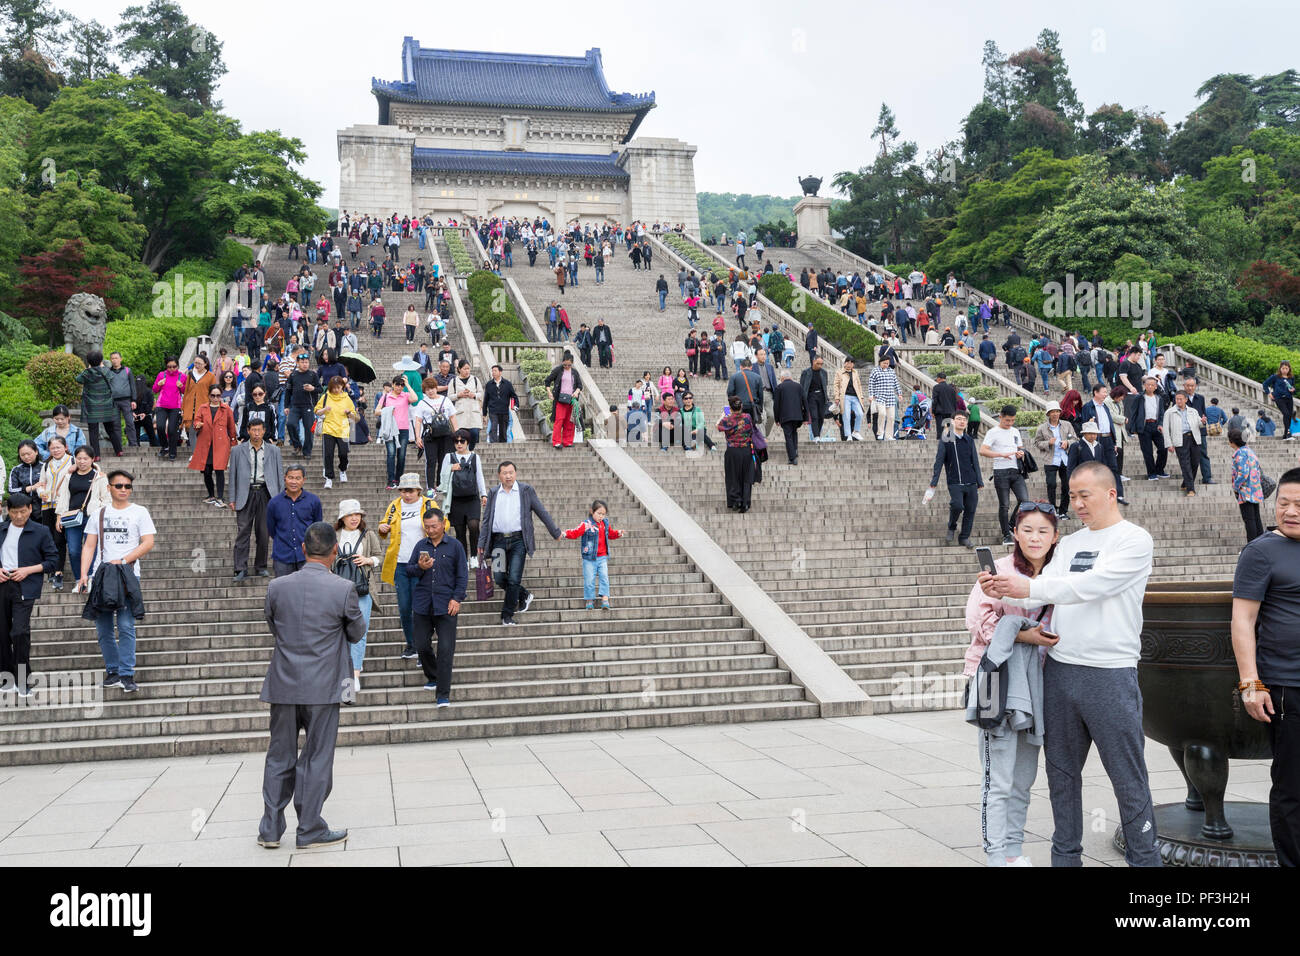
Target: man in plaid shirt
884,389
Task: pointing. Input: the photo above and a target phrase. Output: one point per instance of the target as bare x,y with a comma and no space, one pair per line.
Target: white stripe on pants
1008,766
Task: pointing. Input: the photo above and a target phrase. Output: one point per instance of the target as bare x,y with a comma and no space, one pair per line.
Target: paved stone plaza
898,790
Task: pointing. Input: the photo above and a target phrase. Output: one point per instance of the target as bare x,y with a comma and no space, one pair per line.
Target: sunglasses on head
1046,507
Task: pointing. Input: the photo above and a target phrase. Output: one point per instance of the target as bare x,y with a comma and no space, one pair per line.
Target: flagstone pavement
897,790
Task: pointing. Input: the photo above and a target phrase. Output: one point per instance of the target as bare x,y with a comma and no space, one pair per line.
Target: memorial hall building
503,134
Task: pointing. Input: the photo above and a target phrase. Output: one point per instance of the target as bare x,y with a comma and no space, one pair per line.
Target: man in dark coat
24,562
789,410
815,395
943,403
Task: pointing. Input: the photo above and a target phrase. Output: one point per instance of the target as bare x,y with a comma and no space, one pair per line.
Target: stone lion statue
810,185
85,319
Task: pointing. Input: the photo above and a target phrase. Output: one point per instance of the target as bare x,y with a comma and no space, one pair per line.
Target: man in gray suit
313,615
256,476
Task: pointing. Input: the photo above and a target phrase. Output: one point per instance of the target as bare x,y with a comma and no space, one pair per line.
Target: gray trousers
307,777
122,406
1083,705
1008,766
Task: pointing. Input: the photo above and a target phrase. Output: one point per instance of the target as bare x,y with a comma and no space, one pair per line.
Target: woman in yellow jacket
402,528
338,414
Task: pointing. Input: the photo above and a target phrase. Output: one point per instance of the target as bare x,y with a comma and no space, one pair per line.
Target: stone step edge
824,682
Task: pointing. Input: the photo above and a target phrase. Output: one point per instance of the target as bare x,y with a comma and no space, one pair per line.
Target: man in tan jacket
1053,440
847,393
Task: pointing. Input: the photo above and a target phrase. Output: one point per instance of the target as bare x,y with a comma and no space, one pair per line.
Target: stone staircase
670,652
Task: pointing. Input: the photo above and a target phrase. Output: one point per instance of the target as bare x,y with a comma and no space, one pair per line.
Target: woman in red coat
215,434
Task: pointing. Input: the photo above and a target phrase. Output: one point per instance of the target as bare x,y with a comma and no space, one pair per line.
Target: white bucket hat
350,506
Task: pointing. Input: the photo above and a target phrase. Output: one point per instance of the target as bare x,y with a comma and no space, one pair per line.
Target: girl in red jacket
595,534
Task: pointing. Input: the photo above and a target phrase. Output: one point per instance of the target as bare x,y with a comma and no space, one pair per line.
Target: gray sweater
1025,677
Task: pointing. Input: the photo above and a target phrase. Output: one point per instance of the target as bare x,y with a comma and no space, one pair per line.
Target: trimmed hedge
460,257
980,393
1027,295
965,380
922,359
946,368
535,366
493,309
702,261
1030,419
1244,356
843,333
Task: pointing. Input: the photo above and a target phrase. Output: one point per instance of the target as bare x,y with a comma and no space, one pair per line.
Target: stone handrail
1209,374
821,243
595,407
221,327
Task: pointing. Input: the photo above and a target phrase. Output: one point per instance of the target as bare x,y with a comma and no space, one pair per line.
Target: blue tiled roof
509,80
529,164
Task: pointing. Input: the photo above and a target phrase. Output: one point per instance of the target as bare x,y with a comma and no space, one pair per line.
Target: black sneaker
129,685
57,583
1008,540
528,601
111,680
507,622
409,654
952,533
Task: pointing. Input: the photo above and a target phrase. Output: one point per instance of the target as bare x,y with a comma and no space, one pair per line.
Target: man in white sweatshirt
1096,581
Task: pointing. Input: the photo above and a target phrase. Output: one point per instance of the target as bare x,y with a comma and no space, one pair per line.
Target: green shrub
945,369
965,380
460,257
1027,295
13,332
1243,356
145,343
53,376
979,393
492,308
845,334
703,262
14,357
1030,419
230,256
922,359
18,404
1278,328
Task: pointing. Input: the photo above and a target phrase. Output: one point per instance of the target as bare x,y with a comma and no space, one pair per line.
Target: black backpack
464,483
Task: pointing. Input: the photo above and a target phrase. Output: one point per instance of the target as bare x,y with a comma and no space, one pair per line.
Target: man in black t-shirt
1132,370
1266,643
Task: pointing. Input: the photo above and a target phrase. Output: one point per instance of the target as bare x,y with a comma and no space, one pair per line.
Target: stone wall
663,182
375,170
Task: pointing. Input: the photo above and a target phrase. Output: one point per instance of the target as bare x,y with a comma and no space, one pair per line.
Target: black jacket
114,586
805,380
961,460
788,403
496,397
944,400
553,382
601,335
1134,410
1080,453
35,546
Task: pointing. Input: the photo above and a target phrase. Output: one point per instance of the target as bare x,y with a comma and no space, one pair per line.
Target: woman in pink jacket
169,386
666,382
1008,761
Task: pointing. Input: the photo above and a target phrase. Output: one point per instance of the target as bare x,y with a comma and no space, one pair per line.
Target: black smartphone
985,556
1051,635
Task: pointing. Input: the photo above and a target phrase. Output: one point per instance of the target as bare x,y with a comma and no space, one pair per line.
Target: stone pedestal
812,216
661,187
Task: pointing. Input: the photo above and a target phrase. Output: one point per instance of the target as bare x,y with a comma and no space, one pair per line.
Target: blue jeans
1044,373
74,537
405,594
600,273
852,406
279,414
1083,375
302,415
358,650
510,257
119,652
395,455
663,299
592,570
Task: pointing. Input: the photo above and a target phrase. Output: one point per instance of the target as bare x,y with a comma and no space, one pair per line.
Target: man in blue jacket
27,554
288,516
988,351
438,564
960,458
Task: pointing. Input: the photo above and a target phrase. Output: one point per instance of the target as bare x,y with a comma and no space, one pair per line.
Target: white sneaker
1125,478
1021,861
857,436
473,564
343,476
328,483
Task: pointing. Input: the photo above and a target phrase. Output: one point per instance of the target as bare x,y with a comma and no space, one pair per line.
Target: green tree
996,218
882,213
30,25
105,224
1224,120
88,54
178,58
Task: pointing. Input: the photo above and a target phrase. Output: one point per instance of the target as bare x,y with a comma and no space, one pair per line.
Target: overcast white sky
753,84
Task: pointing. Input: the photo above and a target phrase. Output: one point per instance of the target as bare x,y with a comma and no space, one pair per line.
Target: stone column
813,218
